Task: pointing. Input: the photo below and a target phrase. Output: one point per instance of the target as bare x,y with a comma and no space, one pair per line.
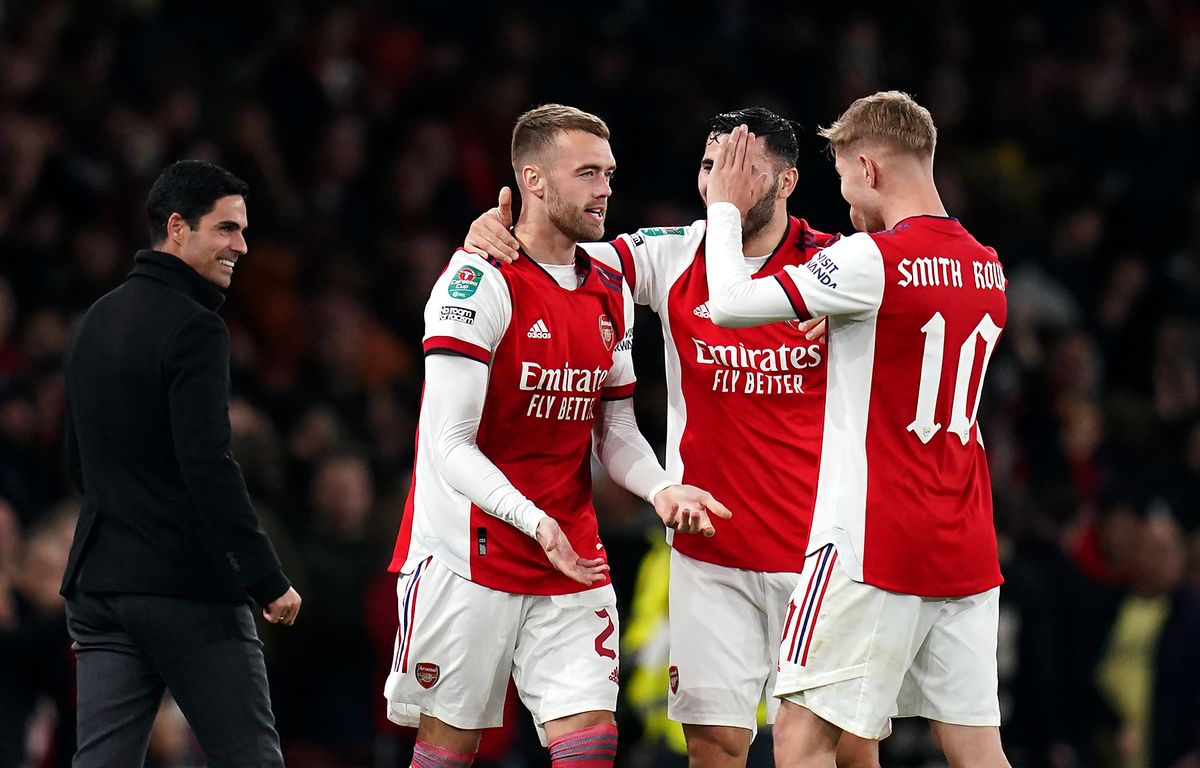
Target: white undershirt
563,274
756,262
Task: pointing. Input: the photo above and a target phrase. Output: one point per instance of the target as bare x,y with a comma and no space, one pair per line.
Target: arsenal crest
673,672
427,674
607,334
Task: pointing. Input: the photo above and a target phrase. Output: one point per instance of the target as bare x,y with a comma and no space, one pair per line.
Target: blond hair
537,130
889,116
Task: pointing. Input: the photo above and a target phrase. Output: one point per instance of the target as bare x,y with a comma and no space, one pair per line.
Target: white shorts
724,628
459,643
857,655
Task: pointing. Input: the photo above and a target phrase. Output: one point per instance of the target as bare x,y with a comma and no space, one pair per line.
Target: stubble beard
571,220
761,213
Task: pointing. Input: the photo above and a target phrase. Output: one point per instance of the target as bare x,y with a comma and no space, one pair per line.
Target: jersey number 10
923,426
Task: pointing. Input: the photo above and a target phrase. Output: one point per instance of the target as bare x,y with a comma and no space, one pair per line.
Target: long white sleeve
454,393
735,300
624,452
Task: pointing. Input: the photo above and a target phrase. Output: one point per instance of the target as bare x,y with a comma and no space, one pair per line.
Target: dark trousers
130,648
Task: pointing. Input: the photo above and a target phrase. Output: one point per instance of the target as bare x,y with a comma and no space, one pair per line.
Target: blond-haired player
895,614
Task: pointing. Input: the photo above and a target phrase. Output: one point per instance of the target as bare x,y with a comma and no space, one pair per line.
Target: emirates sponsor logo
779,359
428,674
539,330
673,673
535,378
758,371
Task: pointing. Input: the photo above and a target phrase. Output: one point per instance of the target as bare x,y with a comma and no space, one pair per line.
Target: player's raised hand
489,233
814,328
733,178
563,556
686,508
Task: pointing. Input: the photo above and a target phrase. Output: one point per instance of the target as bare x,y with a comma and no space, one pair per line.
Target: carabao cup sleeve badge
464,283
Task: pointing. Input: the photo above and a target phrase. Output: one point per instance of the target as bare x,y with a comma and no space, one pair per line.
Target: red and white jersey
553,354
745,407
904,493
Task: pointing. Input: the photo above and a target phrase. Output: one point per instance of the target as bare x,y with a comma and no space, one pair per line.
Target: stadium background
372,133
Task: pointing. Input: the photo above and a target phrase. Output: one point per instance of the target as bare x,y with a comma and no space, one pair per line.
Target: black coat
165,507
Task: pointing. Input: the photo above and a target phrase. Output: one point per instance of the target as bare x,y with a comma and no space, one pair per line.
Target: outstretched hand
686,508
489,233
733,178
563,556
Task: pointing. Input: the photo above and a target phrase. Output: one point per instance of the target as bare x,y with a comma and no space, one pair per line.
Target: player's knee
803,739
795,753
970,746
441,735
796,747
712,746
853,752
858,761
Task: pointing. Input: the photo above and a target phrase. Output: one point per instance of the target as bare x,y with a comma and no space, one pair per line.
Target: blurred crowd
373,132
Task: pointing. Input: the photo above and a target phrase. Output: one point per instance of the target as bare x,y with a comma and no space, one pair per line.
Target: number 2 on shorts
605,633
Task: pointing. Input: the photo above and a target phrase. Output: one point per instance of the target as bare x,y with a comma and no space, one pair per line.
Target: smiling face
217,242
578,185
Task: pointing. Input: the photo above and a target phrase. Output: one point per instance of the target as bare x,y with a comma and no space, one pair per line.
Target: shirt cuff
659,487
273,587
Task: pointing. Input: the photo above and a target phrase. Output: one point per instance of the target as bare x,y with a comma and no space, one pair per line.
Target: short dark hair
190,188
779,132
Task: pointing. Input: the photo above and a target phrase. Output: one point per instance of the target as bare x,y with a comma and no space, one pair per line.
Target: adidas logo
539,330
701,311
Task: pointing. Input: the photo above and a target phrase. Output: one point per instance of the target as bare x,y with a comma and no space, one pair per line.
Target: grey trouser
131,648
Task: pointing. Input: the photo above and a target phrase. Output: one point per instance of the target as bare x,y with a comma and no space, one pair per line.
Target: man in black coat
168,547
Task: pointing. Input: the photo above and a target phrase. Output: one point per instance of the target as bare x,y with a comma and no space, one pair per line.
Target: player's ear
870,170
787,183
533,180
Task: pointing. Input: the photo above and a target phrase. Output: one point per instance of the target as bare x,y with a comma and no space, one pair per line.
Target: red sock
429,756
591,747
